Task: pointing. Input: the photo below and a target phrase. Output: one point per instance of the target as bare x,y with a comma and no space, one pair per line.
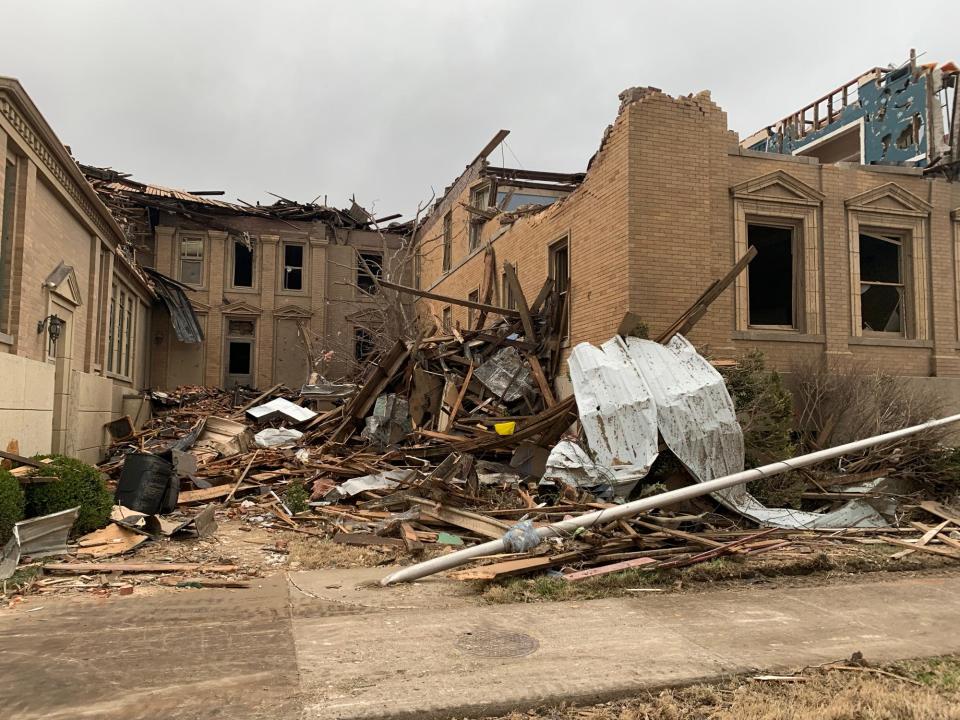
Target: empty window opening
242,265
770,276
447,241
191,260
239,357
474,296
362,345
374,262
293,267
447,318
881,283
560,274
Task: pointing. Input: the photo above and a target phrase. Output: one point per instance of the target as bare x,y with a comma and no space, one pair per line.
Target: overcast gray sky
387,99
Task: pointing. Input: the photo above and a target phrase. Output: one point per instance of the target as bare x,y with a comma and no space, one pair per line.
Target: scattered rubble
454,439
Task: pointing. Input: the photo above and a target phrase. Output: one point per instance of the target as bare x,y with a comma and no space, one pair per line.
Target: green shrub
296,497
11,504
78,484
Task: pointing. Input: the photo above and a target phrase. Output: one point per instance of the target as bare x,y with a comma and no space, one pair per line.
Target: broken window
479,198
242,264
191,260
362,345
374,262
770,276
292,267
447,318
474,296
447,241
881,283
560,274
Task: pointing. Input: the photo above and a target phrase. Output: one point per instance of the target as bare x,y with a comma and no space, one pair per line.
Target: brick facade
325,304
59,256
655,221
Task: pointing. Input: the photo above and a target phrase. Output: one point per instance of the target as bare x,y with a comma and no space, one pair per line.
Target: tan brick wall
57,219
593,218
653,224
324,304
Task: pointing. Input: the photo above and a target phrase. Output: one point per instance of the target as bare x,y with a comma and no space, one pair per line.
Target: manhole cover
496,643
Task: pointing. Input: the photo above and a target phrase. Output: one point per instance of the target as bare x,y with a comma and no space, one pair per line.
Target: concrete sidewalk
325,646
422,663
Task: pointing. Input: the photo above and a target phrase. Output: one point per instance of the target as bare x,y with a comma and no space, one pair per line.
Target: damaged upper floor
906,115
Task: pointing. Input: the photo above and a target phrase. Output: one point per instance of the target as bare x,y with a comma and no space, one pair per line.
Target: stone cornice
26,120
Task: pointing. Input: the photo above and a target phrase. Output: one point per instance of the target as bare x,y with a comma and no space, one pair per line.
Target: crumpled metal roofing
629,390
183,317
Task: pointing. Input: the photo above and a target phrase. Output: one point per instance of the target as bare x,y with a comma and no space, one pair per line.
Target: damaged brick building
857,251
269,284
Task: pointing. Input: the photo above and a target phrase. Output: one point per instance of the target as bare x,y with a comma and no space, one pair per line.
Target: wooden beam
506,312
522,306
685,322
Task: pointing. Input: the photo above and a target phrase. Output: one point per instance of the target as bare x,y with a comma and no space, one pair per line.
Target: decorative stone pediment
889,198
200,307
293,311
955,214
240,308
62,282
777,186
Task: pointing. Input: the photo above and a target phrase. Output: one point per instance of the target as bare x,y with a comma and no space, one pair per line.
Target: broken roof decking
904,115
127,197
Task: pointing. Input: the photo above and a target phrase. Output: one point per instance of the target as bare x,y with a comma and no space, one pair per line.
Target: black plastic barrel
147,484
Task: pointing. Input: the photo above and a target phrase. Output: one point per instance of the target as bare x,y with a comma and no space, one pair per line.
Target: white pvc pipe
566,527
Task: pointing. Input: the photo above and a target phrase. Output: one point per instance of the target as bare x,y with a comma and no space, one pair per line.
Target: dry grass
842,561
826,695
309,553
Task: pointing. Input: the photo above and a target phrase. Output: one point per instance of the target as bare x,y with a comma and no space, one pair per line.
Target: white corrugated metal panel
628,391
617,413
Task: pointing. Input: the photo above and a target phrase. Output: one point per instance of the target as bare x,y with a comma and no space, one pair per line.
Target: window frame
232,269
446,318
479,193
282,267
796,279
553,252
9,195
124,318
201,259
365,284
901,238
447,242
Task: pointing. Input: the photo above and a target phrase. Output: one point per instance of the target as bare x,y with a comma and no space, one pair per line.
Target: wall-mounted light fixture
54,326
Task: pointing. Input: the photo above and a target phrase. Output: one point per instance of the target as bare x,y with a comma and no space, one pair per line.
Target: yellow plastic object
505,428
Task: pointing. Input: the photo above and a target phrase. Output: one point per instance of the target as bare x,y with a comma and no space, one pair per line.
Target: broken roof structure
906,115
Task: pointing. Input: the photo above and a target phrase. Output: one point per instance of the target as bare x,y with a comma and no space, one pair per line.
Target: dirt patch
924,690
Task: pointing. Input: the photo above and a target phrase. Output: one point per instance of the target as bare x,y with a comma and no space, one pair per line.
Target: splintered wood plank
521,299
541,379
159,567
203,494
941,511
606,569
503,569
